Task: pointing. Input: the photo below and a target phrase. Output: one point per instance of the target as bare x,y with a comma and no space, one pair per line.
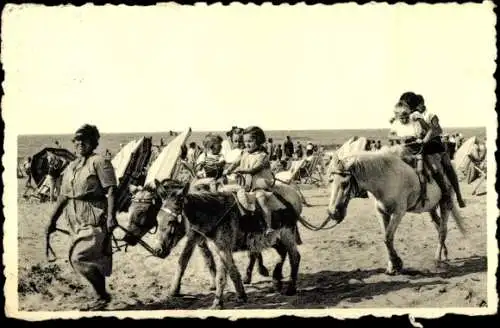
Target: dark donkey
215,217
144,208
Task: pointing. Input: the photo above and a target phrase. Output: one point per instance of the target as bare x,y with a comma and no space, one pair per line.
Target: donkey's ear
159,187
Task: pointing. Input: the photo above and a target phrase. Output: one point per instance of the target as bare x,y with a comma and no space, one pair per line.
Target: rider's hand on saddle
419,141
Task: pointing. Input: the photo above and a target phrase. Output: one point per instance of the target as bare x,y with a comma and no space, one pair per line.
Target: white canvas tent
352,145
164,165
461,158
121,160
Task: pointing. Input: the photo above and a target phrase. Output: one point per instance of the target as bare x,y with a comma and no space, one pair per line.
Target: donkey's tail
298,239
458,219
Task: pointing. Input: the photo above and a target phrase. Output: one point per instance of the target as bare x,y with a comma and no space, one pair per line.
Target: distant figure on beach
108,155
299,150
27,170
279,152
271,149
288,148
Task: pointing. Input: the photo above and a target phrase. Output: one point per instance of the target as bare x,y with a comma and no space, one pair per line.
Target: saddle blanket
247,200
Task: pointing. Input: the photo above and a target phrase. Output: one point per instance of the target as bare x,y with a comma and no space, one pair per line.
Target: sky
169,67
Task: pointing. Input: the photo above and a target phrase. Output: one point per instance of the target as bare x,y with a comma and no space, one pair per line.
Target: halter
354,182
146,201
180,214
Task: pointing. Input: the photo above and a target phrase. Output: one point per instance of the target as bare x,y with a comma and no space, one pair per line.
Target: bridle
180,215
138,240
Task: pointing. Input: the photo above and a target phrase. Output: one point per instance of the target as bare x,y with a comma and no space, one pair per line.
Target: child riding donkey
210,164
422,142
254,165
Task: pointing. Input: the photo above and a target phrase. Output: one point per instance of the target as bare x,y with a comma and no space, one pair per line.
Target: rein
322,226
50,251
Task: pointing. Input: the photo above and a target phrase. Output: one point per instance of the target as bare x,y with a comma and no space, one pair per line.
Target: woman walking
86,201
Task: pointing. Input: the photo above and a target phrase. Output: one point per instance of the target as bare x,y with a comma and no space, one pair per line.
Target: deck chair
291,175
480,172
311,170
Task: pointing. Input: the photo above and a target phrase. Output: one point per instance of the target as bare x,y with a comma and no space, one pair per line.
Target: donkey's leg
396,264
226,262
389,223
288,239
278,268
262,268
436,220
443,228
182,264
209,262
220,282
252,257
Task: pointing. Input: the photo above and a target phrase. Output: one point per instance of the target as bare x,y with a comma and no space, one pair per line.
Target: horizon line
215,130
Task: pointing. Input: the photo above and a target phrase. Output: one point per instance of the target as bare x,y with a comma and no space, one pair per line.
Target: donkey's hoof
291,290
440,265
242,299
247,280
264,272
398,265
174,293
212,287
391,272
277,285
216,306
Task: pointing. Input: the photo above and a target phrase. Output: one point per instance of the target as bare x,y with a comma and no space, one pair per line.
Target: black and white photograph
249,161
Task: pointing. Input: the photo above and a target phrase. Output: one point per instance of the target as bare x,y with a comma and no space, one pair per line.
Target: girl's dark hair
257,133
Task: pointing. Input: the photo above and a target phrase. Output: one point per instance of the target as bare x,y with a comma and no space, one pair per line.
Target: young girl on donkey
255,166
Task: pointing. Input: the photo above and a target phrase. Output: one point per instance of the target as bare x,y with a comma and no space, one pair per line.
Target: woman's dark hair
90,133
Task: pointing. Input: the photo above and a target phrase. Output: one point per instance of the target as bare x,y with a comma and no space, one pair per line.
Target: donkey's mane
149,188
367,165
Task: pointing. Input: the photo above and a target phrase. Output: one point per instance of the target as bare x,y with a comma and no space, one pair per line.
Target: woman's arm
111,222
56,213
106,174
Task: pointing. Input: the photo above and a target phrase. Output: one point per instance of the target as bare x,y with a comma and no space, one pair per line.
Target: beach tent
461,159
130,164
165,165
354,144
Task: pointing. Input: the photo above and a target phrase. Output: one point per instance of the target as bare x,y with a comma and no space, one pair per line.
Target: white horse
396,189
